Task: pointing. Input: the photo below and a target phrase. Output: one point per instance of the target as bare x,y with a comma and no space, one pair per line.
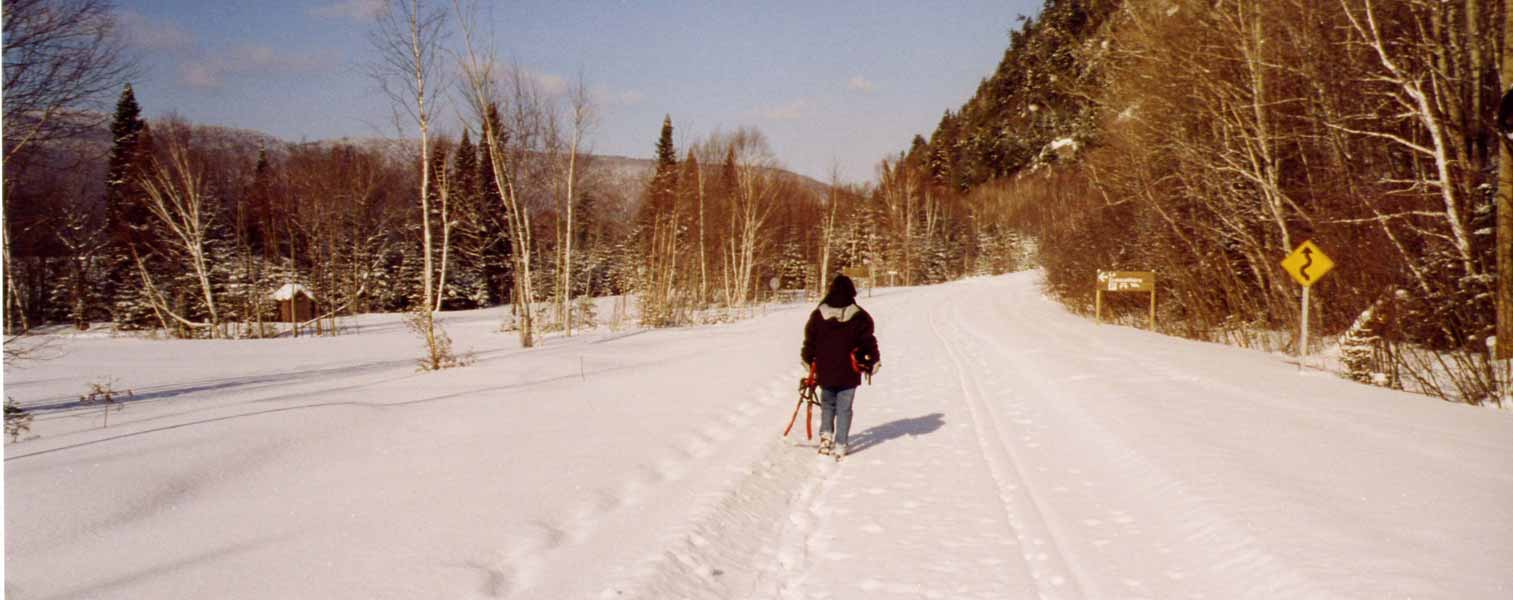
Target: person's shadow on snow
895,429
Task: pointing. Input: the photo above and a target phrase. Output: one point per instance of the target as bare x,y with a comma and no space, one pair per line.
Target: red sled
807,398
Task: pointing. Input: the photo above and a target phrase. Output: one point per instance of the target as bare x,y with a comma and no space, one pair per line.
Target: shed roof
289,290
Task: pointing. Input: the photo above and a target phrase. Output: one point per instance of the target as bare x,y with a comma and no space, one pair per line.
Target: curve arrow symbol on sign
1307,260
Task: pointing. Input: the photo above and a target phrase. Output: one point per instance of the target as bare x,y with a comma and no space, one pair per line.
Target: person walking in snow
839,347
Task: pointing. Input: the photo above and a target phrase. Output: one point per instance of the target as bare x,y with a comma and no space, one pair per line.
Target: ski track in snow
1007,450
1180,510
1039,541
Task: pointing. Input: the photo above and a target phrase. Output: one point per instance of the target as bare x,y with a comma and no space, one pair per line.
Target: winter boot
839,450
827,442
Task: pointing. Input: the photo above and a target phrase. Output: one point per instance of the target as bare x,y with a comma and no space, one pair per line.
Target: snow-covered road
1008,450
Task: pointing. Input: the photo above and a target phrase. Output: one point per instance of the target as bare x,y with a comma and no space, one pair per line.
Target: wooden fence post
1153,308
1098,306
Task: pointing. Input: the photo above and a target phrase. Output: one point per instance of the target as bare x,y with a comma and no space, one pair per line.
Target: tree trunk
567,253
446,245
1505,205
202,271
703,267
1474,43
12,298
826,235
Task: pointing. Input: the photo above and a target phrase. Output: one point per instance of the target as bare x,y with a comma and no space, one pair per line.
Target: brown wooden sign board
864,274
1125,281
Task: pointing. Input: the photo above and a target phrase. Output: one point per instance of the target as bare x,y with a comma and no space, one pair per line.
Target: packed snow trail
1008,450
1131,465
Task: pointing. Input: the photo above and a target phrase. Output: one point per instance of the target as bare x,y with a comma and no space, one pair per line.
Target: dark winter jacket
836,330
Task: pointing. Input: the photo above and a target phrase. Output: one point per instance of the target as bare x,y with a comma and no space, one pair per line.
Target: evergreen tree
125,156
443,257
662,191
261,227
688,184
693,220
588,275
127,221
659,225
497,267
470,237
465,171
944,154
728,177
124,215
667,156
919,150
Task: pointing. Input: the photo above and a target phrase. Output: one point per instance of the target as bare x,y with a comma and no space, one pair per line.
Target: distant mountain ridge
630,168
93,149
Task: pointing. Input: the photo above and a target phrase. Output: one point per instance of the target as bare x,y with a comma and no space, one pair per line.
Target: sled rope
807,399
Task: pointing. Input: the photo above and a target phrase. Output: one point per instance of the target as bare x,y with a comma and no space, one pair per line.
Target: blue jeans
835,412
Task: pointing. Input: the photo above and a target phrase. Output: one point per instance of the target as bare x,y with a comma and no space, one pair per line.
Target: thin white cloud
198,75
790,111
211,71
356,10
630,97
857,83
552,85
146,33
547,84
605,96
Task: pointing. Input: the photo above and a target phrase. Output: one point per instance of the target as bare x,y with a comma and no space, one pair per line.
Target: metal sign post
1303,335
1307,264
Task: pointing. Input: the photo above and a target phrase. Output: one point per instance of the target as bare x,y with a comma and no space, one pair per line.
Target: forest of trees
194,226
1204,140
188,228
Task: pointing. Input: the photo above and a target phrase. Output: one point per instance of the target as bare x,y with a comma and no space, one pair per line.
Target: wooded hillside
1205,140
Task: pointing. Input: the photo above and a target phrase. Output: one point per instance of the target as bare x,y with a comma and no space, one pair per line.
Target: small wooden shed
296,304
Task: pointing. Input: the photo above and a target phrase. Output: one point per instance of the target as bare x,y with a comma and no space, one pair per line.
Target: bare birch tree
176,196
408,37
827,226
754,199
1414,87
583,118
443,195
898,187
480,73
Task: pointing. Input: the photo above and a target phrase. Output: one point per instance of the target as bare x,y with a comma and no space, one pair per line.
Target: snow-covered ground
1008,450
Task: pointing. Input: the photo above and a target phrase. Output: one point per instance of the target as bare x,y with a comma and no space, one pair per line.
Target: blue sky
842,83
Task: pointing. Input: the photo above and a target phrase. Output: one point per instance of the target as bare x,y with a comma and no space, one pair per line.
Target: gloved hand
865,363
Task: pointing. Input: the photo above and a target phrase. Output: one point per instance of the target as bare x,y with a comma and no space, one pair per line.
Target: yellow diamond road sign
1307,263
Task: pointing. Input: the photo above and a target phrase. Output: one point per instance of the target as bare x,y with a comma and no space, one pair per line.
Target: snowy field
1007,450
